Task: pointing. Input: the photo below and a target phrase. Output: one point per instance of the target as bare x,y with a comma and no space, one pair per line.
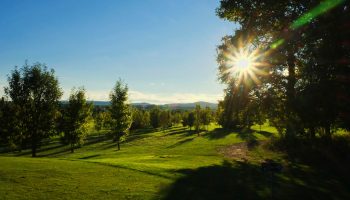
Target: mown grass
171,164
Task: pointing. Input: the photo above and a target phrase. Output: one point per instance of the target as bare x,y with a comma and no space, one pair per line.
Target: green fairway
171,164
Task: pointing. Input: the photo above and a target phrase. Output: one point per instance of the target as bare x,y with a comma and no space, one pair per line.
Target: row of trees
304,69
30,111
160,118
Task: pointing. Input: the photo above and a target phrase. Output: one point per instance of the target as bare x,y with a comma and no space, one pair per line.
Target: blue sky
165,50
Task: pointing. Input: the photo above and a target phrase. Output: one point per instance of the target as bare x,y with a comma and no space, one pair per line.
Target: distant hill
171,106
100,103
186,106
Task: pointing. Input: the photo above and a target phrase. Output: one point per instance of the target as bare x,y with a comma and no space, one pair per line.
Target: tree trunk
118,141
312,133
327,129
33,149
34,145
290,94
72,148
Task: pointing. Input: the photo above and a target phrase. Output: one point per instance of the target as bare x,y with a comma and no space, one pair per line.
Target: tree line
158,118
31,112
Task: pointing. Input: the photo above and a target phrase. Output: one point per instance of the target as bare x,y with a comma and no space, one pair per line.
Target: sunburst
243,63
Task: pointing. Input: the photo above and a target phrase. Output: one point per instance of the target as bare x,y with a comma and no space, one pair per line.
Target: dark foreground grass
171,164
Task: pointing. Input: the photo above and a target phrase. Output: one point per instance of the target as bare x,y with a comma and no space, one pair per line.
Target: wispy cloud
137,96
156,98
96,95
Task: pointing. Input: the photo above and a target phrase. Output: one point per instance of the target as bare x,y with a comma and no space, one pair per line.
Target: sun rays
243,63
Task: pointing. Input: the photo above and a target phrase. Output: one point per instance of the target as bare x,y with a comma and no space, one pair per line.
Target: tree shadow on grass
91,156
218,133
90,140
142,131
43,149
108,145
265,133
248,136
131,138
55,153
180,142
243,180
330,156
182,131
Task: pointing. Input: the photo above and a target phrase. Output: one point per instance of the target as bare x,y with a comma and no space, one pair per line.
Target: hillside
171,164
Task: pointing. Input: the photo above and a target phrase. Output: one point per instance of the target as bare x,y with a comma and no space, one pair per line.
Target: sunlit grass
149,161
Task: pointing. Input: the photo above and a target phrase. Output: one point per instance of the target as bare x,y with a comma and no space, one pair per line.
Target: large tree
120,111
75,118
304,72
35,91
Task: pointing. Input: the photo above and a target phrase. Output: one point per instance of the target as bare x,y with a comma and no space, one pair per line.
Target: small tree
206,117
154,117
99,121
184,119
140,119
176,118
164,119
75,118
197,118
190,119
120,111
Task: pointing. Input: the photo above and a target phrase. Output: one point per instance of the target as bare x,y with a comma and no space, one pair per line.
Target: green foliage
140,119
154,117
191,119
120,111
75,118
206,117
164,166
99,122
35,91
302,81
176,118
197,118
10,126
165,119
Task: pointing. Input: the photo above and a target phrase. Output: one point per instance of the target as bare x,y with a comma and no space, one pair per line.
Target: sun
243,64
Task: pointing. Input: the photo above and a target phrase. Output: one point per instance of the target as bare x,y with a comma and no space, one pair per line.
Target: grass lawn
171,164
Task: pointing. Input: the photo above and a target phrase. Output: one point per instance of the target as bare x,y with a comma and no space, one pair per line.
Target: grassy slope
174,164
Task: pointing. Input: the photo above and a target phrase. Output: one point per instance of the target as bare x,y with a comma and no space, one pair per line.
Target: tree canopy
35,91
120,111
300,73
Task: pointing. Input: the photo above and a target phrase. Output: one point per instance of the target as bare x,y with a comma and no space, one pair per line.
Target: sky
165,50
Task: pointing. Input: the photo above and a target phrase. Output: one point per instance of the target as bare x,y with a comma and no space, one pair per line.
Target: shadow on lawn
52,147
247,181
218,133
142,131
181,131
180,142
90,140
